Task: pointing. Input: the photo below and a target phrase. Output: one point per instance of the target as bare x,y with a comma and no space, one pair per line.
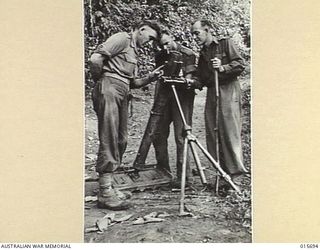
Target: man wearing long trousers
221,55
113,66
165,105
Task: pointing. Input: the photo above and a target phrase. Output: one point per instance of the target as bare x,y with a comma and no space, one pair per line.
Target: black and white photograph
167,121
159,121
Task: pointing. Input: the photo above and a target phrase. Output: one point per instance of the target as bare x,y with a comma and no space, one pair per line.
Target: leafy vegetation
218,219
230,18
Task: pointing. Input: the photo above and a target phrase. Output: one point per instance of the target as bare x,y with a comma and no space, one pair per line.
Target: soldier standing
113,66
221,55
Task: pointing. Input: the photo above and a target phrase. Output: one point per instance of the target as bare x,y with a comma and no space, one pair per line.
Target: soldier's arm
95,65
110,48
236,64
140,82
191,71
153,76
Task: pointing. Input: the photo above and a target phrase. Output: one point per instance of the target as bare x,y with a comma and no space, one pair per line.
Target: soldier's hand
193,84
216,63
157,73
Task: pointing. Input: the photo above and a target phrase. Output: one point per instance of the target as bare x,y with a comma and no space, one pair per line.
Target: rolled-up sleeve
114,45
110,48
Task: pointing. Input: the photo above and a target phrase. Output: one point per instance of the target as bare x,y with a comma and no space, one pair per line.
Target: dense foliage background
230,18
231,216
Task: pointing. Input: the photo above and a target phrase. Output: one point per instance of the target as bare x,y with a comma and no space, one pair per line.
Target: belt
117,76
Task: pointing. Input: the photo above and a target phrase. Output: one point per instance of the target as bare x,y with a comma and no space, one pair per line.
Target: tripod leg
217,166
183,176
198,163
216,80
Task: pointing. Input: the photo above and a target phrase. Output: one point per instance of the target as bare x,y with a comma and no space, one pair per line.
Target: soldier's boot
108,197
123,195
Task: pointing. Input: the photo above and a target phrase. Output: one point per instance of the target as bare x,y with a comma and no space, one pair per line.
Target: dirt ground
212,219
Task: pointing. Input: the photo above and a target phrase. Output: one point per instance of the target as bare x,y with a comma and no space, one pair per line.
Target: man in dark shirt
113,66
221,55
165,106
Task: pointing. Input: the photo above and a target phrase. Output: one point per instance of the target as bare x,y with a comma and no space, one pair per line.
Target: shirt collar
206,49
215,40
213,43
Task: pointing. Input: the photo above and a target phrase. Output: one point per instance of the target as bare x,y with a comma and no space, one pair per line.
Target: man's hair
152,24
204,22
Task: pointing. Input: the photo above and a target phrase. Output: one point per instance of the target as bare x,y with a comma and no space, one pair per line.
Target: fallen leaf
186,214
109,216
123,218
90,198
150,218
103,224
91,229
139,221
151,215
164,215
